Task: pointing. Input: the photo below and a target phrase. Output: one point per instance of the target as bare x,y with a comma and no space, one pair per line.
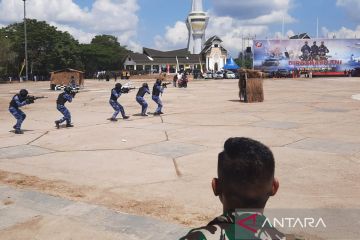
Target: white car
230,75
219,75
208,75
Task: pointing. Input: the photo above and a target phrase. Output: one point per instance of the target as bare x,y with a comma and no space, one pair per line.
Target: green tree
103,53
7,56
48,48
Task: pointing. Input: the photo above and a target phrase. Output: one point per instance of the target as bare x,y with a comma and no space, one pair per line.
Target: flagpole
317,28
26,51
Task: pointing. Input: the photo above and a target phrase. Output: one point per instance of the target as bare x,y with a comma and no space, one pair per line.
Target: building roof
67,70
301,36
156,53
212,39
208,44
139,57
153,56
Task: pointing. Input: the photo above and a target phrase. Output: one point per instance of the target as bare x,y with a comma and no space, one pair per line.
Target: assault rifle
164,85
127,89
32,99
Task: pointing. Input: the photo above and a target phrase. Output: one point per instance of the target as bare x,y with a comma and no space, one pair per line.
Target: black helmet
68,89
23,93
158,81
118,86
145,85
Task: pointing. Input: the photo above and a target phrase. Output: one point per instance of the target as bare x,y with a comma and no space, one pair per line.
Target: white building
196,22
215,55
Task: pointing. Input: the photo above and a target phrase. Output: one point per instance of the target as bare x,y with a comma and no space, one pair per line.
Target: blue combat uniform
115,94
157,90
62,99
14,108
141,100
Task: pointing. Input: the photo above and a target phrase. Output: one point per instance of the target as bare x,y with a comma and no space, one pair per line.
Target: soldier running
157,90
115,94
18,101
141,100
66,96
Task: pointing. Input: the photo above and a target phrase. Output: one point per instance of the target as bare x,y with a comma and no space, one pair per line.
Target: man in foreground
245,182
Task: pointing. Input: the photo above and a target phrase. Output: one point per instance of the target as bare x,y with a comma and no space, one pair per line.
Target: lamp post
26,52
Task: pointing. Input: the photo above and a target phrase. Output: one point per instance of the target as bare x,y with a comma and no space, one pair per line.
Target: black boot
57,124
69,125
126,117
18,131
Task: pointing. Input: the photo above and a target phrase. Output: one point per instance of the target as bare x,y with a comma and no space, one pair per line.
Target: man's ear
216,186
275,187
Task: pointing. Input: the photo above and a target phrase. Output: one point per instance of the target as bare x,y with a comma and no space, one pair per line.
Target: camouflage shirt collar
226,218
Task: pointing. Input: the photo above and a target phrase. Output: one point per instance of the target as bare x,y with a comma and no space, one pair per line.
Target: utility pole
26,51
317,28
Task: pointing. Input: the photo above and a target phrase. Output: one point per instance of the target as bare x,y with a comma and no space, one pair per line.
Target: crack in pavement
42,135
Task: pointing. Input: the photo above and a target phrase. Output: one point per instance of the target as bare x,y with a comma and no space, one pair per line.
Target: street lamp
26,52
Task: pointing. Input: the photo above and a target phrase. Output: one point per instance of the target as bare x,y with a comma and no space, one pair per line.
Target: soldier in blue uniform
16,103
115,94
157,90
66,96
141,100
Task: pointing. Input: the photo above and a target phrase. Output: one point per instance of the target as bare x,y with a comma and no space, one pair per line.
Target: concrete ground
161,167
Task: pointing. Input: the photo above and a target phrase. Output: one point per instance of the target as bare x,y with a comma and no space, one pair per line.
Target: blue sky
160,23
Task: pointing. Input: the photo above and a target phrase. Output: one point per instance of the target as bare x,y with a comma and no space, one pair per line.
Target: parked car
219,75
208,75
230,75
197,74
355,72
283,73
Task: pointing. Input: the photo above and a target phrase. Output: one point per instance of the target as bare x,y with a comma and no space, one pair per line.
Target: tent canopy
231,65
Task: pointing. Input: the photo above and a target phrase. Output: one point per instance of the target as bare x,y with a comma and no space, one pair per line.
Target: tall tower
196,22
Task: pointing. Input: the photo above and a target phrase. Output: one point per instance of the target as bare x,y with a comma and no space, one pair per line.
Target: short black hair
245,169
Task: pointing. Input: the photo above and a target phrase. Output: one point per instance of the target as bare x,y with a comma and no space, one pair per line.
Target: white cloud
255,11
135,46
232,21
116,17
351,6
175,37
342,32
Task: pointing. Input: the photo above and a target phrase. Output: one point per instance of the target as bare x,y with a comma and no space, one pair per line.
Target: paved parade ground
105,180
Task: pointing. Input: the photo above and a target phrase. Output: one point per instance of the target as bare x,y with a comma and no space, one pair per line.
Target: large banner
320,55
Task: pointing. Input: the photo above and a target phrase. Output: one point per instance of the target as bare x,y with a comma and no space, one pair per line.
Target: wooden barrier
251,86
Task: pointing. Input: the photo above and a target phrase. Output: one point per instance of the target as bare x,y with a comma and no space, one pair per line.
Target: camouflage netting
251,86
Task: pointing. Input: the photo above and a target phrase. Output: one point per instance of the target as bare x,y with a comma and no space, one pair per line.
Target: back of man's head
246,173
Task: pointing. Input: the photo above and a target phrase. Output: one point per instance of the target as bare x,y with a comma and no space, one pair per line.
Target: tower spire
197,6
196,22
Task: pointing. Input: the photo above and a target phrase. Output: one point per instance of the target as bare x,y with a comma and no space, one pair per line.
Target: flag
177,64
22,68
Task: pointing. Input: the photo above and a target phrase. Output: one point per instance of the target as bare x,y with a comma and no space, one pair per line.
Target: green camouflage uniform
224,228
